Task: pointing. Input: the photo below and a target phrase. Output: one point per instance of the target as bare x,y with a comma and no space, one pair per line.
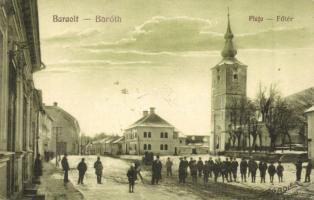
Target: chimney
145,113
55,103
152,110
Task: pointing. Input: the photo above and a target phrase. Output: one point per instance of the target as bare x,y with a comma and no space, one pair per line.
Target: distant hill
302,100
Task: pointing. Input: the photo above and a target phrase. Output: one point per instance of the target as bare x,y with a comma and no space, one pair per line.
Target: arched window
145,146
166,147
161,135
149,147
166,135
145,135
161,147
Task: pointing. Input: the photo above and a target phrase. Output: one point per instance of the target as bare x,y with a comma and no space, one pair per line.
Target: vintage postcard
156,99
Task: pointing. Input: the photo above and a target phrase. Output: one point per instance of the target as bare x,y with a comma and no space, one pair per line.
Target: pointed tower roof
228,51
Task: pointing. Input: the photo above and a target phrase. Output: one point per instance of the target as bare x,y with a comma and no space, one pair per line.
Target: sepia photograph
156,99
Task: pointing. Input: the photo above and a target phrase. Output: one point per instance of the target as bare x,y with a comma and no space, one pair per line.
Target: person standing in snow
280,170
243,169
200,166
271,172
81,167
262,170
169,167
206,172
234,168
156,170
308,171
66,168
131,174
98,170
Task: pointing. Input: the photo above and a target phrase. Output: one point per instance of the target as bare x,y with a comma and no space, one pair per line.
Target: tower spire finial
229,51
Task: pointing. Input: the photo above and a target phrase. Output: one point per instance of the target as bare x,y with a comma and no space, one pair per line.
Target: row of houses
150,133
26,124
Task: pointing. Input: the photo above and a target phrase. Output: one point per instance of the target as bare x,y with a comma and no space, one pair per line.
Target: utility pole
57,131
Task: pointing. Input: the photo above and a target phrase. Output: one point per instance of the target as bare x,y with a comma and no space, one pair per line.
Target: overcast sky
161,54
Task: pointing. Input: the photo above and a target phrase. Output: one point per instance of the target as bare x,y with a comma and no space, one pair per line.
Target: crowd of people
226,170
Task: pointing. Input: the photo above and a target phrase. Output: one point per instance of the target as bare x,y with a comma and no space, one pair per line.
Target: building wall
228,83
17,106
68,132
135,140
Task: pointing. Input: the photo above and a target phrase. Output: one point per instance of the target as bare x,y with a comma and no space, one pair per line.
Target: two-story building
151,133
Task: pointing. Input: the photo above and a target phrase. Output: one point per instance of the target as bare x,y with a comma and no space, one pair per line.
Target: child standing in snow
131,178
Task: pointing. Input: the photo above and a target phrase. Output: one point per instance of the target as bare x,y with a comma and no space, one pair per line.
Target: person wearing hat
271,172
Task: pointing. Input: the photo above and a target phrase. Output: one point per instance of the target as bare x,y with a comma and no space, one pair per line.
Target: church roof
228,51
151,120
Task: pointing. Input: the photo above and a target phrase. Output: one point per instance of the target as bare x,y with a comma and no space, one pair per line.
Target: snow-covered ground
115,185
289,173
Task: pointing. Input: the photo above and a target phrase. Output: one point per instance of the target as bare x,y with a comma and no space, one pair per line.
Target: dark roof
152,120
54,111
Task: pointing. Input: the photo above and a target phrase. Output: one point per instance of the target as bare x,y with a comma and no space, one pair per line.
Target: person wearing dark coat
210,166
262,170
182,171
271,172
253,168
186,165
193,171
98,170
308,171
224,171
38,168
200,166
131,174
156,170
229,170
298,166
280,170
206,172
216,170
66,168
190,164
234,169
243,169
81,167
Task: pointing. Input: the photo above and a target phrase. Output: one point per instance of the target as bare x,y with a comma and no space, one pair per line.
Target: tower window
145,135
149,147
145,146
149,134
161,135
161,147
166,147
235,76
166,135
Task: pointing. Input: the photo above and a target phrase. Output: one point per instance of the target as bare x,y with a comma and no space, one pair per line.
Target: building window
180,141
166,147
235,77
145,135
145,146
161,147
149,134
166,135
149,147
161,135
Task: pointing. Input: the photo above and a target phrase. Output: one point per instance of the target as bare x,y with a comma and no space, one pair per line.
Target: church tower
229,79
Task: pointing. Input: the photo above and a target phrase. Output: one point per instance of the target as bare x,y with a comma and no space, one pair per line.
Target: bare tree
275,114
